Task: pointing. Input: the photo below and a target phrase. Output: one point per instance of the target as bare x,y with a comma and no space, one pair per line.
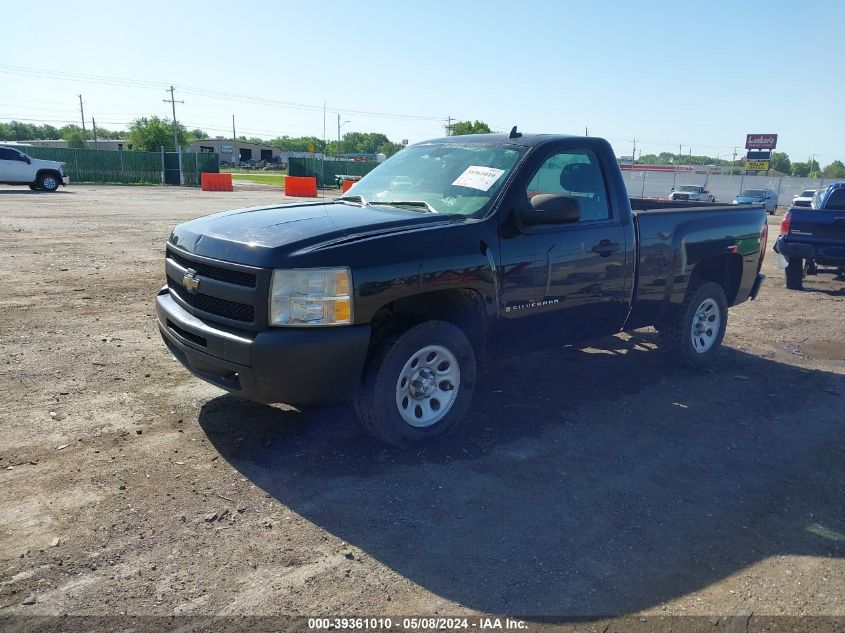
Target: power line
204,92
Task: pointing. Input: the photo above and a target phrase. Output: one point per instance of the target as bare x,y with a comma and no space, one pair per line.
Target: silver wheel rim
705,326
50,182
428,386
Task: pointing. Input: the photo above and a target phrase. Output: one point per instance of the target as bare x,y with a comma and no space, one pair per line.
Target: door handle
605,248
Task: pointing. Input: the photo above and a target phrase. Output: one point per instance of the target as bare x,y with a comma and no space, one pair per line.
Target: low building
238,152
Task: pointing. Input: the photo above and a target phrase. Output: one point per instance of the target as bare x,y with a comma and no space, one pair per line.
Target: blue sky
699,74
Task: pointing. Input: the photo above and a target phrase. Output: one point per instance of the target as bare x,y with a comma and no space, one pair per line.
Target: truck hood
40,163
261,236
748,200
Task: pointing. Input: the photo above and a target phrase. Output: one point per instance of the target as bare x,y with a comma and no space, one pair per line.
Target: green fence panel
325,171
123,167
193,164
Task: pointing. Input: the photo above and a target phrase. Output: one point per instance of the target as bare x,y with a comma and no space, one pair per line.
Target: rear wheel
694,332
48,182
417,385
794,273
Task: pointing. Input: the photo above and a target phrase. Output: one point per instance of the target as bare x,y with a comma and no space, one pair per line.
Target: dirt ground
586,482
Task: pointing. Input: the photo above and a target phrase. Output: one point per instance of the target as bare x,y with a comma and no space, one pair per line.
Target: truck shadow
589,481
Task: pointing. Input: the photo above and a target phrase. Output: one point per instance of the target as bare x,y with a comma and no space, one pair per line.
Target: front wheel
418,385
48,182
794,273
694,332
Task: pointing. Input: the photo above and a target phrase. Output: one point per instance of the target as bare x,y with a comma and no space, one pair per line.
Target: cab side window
576,173
8,154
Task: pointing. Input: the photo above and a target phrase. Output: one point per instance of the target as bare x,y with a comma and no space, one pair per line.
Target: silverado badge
191,281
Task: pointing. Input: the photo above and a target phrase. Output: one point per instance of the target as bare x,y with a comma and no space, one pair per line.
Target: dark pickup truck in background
813,236
451,252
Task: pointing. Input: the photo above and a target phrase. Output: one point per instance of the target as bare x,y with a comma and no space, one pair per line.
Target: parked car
809,237
696,193
804,199
16,168
766,197
391,296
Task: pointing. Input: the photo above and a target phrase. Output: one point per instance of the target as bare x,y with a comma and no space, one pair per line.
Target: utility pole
675,170
173,103
337,151
449,126
176,132
82,113
94,125
634,153
233,128
586,131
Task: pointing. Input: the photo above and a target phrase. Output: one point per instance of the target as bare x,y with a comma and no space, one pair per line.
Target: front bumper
831,254
291,365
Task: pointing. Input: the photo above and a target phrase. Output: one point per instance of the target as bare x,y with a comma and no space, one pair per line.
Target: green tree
196,135
297,144
151,133
835,170
460,128
780,162
75,140
802,170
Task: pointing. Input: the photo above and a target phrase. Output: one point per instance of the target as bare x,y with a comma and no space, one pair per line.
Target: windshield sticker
476,177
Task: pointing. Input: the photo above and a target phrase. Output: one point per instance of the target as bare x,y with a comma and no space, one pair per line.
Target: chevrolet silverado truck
814,236
16,168
492,245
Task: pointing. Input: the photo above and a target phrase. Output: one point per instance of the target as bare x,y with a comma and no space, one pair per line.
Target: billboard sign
757,165
761,141
759,155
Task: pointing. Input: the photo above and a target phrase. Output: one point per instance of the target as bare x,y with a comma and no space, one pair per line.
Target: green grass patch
264,178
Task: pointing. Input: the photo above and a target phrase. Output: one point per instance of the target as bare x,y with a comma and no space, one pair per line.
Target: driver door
575,285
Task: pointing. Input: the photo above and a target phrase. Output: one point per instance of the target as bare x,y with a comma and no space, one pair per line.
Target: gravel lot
592,481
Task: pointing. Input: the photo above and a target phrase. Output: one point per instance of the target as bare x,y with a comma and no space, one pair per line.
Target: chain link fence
129,167
659,184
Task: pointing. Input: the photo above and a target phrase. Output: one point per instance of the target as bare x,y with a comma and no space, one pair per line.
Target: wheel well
44,172
463,308
725,270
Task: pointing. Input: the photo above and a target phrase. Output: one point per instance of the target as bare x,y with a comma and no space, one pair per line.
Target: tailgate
817,225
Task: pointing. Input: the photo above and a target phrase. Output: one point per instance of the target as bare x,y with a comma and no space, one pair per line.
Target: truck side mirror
551,208
26,159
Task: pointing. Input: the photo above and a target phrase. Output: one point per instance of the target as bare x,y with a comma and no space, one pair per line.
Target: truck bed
674,236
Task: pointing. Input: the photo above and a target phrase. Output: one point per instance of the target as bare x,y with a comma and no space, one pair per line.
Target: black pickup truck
451,252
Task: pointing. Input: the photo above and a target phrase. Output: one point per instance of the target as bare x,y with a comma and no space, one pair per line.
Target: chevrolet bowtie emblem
191,281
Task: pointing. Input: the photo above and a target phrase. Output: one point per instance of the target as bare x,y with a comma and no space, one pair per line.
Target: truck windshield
753,193
439,178
689,188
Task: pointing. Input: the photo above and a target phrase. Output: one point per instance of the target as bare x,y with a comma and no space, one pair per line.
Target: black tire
794,274
377,403
48,182
676,332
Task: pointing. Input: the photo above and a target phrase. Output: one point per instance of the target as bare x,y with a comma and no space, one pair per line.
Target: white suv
16,168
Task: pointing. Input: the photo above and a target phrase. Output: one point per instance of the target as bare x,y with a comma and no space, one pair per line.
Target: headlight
317,296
